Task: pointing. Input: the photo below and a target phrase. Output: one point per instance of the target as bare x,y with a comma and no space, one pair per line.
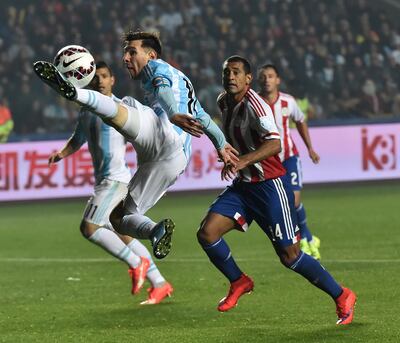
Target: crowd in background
342,56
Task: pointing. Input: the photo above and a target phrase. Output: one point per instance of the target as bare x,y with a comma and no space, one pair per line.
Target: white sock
137,225
153,274
111,243
103,105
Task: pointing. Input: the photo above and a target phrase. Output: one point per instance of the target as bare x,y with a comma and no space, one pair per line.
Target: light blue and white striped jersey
106,146
157,73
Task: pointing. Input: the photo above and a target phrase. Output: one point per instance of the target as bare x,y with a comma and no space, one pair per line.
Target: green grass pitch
57,287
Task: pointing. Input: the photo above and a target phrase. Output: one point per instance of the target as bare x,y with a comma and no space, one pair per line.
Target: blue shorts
294,172
270,203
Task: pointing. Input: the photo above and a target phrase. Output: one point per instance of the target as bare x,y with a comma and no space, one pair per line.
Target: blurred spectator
369,104
6,122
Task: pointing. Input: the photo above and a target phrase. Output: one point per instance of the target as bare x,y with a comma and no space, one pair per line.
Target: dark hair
245,62
102,64
150,40
269,66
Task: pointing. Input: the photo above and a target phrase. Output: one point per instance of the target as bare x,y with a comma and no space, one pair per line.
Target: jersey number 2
294,178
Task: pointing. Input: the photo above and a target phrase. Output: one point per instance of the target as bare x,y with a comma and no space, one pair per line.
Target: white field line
174,260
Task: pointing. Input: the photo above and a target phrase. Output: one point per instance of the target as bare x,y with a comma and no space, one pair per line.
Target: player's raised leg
114,113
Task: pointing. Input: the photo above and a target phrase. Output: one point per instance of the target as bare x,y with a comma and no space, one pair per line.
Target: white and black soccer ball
76,64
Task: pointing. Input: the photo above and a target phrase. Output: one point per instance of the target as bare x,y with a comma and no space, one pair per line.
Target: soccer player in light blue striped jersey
160,132
171,95
107,148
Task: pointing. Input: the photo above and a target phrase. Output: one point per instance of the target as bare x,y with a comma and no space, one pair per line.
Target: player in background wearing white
107,148
284,108
163,149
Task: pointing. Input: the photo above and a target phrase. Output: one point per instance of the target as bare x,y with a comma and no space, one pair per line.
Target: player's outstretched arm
67,150
302,128
196,126
226,152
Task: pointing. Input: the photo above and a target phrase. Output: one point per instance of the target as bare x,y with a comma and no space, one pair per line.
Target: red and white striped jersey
246,127
285,108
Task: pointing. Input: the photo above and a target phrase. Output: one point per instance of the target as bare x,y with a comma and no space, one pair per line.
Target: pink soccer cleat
138,275
345,304
156,295
239,287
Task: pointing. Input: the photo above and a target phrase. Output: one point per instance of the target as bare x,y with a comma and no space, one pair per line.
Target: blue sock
220,255
313,271
302,222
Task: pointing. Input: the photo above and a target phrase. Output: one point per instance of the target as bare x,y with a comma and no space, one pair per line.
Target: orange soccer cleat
345,304
156,295
138,275
239,287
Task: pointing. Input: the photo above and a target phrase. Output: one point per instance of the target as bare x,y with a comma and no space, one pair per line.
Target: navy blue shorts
270,203
294,172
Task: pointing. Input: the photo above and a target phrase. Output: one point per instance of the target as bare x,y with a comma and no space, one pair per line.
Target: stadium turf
57,287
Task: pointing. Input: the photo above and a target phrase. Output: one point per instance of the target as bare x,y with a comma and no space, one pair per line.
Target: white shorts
107,195
151,181
156,138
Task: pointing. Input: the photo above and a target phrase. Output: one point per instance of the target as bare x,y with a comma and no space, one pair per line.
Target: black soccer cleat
161,238
49,74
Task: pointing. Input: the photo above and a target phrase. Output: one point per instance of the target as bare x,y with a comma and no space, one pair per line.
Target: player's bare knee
115,222
116,216
289,255
87,229
119,227
206,233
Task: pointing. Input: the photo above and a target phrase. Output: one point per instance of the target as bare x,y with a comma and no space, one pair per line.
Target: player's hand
314,156
54,158
229,155
228,173
188,124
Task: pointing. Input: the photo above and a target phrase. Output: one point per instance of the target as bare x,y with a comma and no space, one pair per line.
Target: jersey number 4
278,232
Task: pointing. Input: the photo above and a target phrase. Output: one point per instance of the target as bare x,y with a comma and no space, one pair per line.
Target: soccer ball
76,65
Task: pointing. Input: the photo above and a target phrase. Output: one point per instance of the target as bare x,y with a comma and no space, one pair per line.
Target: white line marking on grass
171,260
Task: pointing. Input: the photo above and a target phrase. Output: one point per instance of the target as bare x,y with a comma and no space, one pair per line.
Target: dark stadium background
342,55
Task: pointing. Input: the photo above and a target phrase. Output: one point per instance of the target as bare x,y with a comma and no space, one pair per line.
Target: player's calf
289,254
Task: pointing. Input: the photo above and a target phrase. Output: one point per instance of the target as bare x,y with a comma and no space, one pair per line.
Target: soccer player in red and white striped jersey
260,192
285,108
253,124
